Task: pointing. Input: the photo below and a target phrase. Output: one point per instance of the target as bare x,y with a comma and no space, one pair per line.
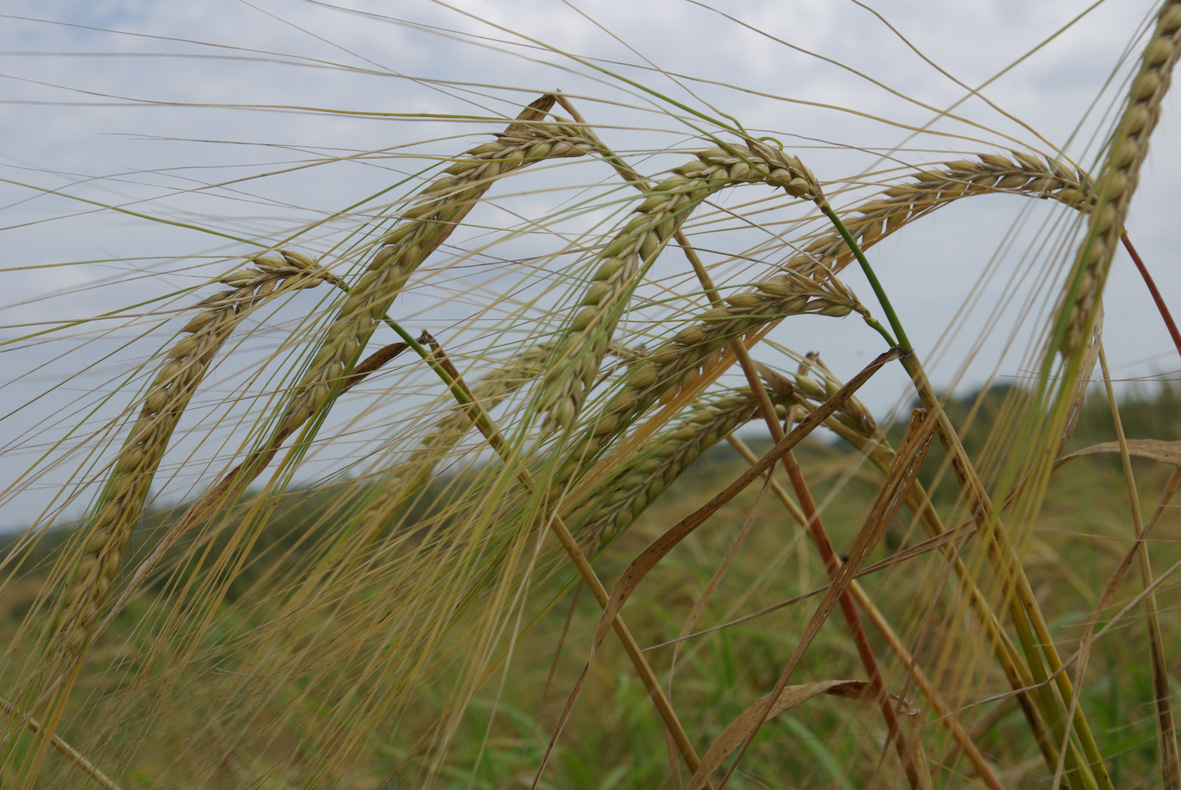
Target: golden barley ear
1116,184
180,374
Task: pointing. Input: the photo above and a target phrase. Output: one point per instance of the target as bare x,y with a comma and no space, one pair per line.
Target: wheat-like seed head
852,413
676,363
659,462
176,380
425,225
901,204
1118,180
664,209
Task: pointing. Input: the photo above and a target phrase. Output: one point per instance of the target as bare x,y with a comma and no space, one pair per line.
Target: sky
220,128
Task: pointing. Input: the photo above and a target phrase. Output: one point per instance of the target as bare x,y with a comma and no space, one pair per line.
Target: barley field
585,395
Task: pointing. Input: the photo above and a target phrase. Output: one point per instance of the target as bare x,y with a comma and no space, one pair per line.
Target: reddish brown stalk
658,549
819,537
832,566
1152,289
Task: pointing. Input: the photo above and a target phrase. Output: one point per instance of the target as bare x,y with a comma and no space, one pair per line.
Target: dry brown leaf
792,696
1152,449
652,555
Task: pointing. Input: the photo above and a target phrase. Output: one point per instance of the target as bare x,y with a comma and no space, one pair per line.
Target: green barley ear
657,464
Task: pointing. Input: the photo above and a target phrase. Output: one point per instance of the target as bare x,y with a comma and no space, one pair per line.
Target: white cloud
144,105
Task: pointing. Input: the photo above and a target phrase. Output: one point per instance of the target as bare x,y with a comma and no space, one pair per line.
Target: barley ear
111,523
1116,184
620,500
936,186
425,225
664,209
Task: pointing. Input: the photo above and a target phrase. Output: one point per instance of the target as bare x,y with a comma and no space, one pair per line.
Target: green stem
881,330
418,348
903,343
457,389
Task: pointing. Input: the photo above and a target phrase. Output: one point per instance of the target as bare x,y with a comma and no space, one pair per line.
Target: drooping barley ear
121,504
663,210
853,413
425,225
414,473
937,186
1117,183
619,501
678,362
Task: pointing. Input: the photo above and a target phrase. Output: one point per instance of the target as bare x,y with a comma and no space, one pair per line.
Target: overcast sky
257,120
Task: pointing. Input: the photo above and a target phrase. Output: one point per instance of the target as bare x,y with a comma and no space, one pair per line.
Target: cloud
149,147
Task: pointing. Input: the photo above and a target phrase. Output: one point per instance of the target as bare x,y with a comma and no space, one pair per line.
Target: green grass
614,738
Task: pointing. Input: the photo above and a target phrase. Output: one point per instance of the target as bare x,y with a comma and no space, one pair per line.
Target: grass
1003,603
614,732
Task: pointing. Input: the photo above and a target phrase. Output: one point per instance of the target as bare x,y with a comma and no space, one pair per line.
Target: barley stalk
664,208
857,427
1032,630
1117,182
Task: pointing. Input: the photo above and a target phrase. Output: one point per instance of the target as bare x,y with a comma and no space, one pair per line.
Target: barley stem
903,342
875,446
1157,299
946,715
442,366
71,754
1162,693
1024,612
819,536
